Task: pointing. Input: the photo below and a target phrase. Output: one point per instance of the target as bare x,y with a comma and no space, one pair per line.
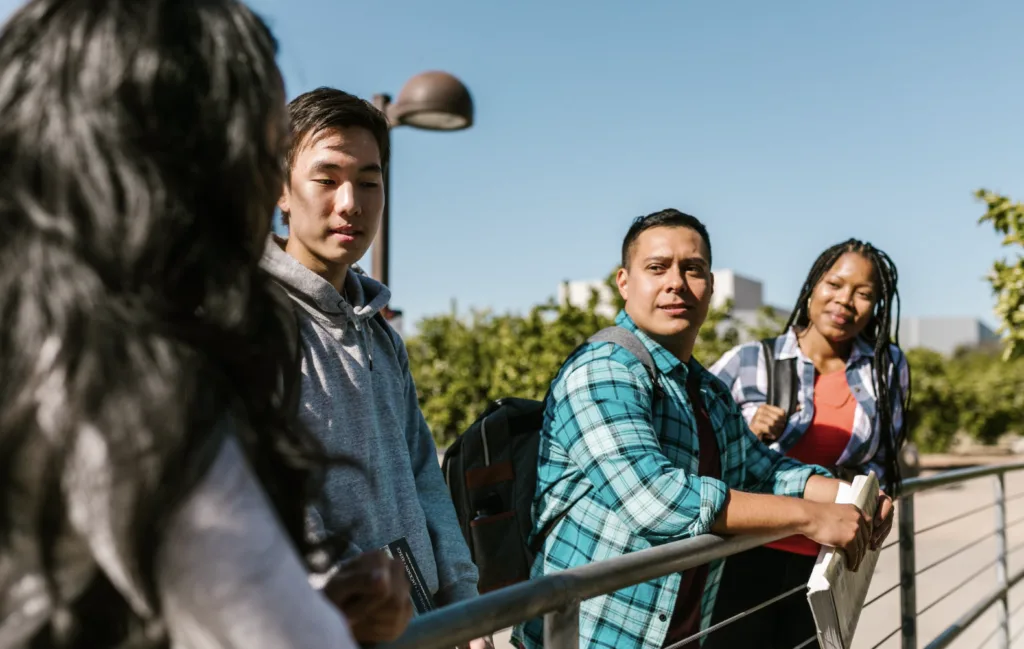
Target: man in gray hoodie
357,394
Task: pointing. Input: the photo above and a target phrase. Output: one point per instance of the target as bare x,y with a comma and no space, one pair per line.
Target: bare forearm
821,490
747,513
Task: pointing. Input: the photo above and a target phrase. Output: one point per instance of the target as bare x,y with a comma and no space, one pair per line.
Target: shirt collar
790,348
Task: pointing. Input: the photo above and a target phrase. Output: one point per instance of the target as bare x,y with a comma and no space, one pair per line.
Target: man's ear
285,200
622,281
283,204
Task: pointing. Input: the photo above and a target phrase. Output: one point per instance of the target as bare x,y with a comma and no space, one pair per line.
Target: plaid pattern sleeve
617,474
744,370
770,472
608,432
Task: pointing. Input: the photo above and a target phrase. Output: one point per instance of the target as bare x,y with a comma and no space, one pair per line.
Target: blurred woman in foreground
152,488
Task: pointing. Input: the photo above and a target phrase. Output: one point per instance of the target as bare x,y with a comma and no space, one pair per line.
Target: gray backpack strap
628,340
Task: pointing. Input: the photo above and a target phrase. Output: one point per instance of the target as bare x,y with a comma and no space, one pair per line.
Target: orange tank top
824,441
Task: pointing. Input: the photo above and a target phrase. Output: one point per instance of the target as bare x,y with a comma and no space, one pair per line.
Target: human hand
485,642
372,591
844,527
882,524
768,423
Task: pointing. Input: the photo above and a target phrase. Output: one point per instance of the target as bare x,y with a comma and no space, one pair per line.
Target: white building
945,334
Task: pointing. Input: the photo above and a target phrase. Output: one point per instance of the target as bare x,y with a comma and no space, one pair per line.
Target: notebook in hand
421,598
835,594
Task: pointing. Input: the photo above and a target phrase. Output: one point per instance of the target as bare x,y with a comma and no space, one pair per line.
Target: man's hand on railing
372,591
882,524
842,526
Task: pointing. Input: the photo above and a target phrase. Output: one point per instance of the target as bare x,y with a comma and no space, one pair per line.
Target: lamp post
433,101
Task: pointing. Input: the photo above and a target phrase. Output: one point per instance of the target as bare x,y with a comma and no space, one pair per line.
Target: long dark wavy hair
881,331
141,154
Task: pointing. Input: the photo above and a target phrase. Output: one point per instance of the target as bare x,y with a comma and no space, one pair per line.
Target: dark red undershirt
686,616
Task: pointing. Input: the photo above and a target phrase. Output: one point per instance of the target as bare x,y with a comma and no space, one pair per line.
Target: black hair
142,148
326,109
881,332
670,218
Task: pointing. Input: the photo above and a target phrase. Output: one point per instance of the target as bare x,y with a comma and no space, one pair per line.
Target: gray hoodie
358,397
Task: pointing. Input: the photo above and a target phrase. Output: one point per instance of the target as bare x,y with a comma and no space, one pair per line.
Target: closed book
836,595
421,597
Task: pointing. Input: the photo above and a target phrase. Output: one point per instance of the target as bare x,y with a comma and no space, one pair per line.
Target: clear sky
785,126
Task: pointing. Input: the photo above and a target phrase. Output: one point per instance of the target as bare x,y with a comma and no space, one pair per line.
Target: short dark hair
329,108
670,218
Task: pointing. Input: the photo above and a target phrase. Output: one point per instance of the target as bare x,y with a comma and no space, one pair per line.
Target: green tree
769,324
1007,275
461,364
935,409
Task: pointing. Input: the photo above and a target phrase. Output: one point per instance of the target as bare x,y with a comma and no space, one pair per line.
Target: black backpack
491,472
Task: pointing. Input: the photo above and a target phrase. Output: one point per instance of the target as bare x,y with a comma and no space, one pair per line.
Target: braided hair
881,331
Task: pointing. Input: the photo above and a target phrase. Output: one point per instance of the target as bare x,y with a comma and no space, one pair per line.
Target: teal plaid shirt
626,477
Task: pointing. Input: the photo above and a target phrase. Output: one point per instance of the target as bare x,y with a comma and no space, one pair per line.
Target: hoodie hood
364,296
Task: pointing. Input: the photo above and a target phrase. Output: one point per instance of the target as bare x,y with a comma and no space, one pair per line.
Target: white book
835,594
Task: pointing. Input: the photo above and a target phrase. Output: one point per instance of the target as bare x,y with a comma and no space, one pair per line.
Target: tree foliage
1007,275
460,364
974,392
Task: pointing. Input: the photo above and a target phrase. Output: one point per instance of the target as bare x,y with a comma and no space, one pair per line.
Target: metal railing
557,596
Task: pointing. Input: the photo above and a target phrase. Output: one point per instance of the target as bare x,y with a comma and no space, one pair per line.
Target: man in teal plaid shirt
622,470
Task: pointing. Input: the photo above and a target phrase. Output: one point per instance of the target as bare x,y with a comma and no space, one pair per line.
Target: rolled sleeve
607,430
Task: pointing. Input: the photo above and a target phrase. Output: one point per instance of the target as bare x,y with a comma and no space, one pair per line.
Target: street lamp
433,101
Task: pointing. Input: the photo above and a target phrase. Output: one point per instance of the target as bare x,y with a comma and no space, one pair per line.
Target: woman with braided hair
850,392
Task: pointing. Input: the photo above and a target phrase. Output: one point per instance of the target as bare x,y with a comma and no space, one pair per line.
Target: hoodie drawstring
366,334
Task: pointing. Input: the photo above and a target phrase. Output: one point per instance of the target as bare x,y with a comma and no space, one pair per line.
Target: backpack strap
627,339
783,383
630,342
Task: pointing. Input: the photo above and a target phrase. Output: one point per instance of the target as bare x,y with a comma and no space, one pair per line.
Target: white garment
229,577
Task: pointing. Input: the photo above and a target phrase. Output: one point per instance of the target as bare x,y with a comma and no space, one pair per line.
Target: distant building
746,294
579,292
945,334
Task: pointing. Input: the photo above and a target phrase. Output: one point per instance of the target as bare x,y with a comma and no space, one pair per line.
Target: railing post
1002,569
908,573
562,628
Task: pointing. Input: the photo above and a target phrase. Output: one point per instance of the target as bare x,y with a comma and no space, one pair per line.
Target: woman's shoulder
729,365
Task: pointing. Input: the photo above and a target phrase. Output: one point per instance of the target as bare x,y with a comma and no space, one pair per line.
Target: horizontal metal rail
459,623
555,593
953,631
946,478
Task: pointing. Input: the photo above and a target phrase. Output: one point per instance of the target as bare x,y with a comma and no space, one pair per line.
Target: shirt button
662,617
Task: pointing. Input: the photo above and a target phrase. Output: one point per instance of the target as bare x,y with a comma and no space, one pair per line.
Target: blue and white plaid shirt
744,370
626,478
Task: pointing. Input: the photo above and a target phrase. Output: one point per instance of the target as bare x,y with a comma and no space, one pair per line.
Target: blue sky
785,126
